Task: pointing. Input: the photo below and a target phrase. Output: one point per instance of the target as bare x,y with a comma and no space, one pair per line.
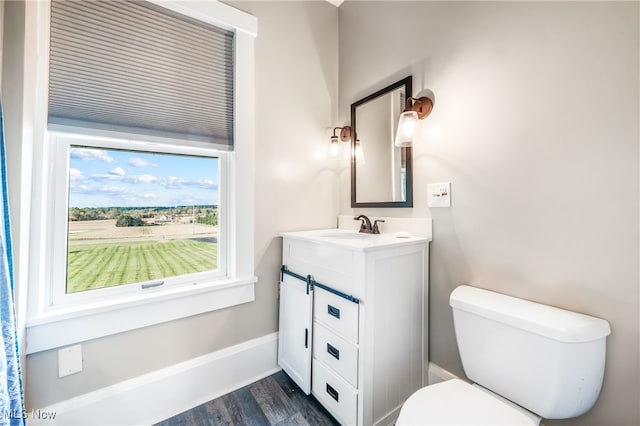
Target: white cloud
138,162
146,178
206,184
141,179
172,182
75,175
119,175
90,154
106,176
79,188
112,190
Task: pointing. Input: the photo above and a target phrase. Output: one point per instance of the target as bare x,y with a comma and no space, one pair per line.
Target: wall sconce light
415,109
345,136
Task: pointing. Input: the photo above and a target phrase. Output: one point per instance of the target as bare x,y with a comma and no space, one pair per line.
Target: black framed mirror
381,174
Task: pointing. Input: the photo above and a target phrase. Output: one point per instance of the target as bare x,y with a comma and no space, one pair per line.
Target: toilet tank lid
554,323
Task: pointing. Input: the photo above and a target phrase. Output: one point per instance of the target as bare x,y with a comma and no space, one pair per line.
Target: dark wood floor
275,400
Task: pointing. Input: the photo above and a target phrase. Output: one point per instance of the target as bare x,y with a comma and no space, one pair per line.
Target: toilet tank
545,359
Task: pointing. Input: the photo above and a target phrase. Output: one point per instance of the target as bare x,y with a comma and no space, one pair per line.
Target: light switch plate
439,194
69,360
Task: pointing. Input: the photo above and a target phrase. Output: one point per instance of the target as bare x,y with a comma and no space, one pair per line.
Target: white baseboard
161,394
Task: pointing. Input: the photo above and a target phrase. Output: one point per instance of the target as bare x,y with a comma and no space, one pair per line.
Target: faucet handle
375,226
365,226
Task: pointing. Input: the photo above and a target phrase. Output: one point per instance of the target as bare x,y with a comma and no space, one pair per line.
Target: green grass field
92,266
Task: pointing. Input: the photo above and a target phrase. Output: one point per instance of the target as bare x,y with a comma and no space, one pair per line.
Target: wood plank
307,405
198,416
243,408
275,400
274,403
295,420
217,413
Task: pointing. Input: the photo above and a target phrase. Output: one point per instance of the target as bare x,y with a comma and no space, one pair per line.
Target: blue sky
115,178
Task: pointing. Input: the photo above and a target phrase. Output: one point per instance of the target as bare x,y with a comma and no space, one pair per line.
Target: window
143,173
139,217
136,220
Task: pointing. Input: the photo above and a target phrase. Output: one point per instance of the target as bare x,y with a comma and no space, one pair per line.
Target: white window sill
65,326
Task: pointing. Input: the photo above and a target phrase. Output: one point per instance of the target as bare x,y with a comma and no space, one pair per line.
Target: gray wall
296,187
536,124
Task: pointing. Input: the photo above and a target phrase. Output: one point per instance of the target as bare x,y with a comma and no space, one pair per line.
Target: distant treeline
204,214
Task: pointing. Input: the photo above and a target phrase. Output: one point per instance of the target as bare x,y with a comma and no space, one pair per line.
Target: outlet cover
69,360
439,194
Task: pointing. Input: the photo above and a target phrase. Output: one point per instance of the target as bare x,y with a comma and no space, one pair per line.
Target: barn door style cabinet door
353,320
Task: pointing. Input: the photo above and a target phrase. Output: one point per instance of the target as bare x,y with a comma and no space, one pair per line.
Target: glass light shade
407,125
335,146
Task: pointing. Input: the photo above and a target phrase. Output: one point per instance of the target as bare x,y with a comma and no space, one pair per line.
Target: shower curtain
11,397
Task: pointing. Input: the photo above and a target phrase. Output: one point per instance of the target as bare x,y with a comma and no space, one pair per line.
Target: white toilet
528,361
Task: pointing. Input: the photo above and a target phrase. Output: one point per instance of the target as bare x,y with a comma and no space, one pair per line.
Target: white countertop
354,239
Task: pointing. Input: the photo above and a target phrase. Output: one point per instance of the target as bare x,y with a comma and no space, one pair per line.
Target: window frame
50,325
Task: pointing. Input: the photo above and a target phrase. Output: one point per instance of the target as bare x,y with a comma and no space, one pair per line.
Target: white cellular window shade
135,67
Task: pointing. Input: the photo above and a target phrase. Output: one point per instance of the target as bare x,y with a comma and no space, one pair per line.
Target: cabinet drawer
337,353
336,313
334,393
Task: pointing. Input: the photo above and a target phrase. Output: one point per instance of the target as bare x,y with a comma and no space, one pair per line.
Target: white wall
536,124
296,187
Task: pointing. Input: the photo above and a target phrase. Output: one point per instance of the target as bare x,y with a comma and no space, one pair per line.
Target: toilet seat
456,402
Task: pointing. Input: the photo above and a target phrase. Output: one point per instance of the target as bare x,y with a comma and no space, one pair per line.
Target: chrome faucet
366,227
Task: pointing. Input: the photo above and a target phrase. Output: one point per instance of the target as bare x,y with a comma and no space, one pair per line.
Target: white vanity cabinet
353,320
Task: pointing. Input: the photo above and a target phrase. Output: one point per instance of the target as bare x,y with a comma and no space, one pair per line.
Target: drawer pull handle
333,311
333,351
332,392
